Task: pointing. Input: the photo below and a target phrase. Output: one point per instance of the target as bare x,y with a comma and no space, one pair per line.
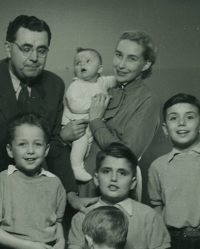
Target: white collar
12,169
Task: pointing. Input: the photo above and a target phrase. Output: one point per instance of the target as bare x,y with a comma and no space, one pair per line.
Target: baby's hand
38,245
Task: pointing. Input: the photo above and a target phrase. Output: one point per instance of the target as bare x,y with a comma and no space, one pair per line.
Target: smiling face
115,179
28,148
87,66
182,125
27,67
129,61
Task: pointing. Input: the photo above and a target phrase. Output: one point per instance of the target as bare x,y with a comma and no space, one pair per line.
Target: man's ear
147,65
9,150
96,179
164,127
134,182
89,241
8,49
100,70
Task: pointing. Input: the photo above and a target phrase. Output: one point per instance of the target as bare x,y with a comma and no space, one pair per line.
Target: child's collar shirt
12,169
174,184
176,152
146,228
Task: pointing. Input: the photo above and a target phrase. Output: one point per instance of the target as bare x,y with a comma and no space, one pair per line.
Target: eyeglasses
27,50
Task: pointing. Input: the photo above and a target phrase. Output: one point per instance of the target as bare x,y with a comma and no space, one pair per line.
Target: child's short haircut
180,98
106,225
78,50
119,151
32,119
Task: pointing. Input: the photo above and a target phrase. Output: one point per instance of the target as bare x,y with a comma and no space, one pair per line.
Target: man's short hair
150,50
79,49
117,150
28,22
32,119
106,225
178,99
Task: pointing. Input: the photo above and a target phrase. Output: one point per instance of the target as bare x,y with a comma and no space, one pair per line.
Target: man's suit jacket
46,99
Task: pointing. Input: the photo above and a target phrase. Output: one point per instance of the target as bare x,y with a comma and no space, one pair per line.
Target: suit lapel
8,102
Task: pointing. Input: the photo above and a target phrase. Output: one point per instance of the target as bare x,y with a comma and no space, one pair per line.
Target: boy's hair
32,119
117,150
180,98
147,43
28,22
106,225
78,50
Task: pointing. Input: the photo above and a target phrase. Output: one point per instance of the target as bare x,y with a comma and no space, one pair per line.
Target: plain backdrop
173,24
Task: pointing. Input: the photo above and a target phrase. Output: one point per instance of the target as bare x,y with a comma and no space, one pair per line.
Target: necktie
23,99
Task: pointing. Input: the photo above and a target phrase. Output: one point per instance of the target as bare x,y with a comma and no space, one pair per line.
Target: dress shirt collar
15,81
125,205
12,169
176,152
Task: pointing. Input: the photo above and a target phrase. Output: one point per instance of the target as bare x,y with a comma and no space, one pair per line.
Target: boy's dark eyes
22,144
123,173
105,171
38,144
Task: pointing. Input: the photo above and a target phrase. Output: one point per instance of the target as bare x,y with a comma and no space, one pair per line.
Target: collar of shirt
12,169
176,152
126,205
132,84
15,81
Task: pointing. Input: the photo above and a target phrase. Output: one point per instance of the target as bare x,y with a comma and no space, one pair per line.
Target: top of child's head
115,173
87,64
27,136
105,227
80,49
181,114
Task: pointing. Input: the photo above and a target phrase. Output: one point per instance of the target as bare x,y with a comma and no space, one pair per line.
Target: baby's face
87,66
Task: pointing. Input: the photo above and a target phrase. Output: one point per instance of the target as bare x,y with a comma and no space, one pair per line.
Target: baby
86,84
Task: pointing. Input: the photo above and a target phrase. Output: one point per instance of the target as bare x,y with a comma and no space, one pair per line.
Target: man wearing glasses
26,86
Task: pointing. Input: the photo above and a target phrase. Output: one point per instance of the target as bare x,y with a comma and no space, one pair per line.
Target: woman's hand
98,106
74,130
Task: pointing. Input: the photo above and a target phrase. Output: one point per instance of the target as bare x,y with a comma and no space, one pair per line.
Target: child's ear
47,150
164,127
100,69
134,182
96,179
89,241
8,49
9,150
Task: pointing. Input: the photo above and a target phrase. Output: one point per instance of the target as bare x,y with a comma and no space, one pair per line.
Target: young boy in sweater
174,178
32,200
115,177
